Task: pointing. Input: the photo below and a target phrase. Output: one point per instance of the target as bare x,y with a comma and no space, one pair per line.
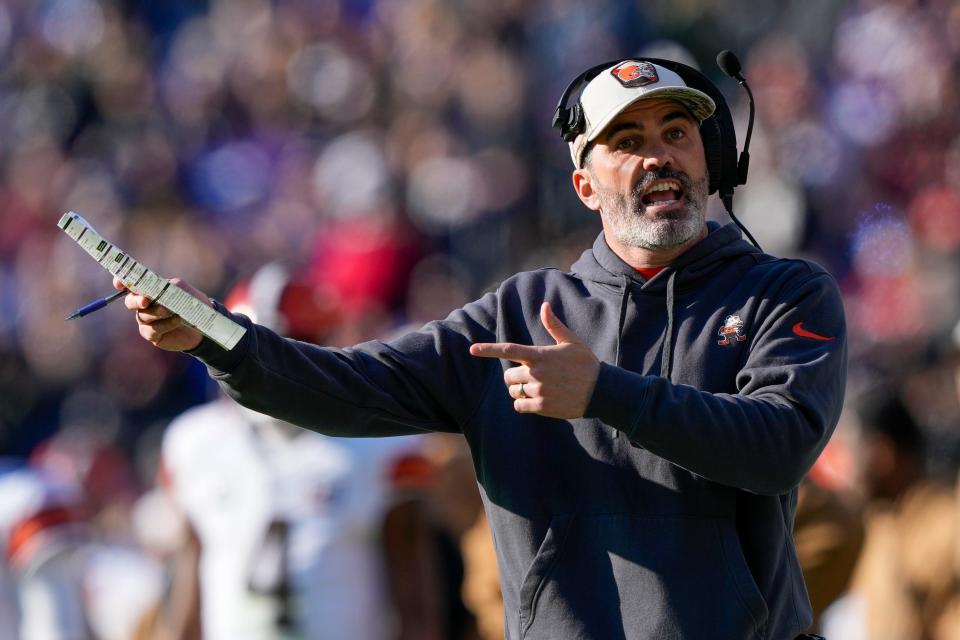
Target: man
905,582
639,478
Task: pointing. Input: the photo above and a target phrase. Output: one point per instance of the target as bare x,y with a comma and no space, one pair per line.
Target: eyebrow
679,114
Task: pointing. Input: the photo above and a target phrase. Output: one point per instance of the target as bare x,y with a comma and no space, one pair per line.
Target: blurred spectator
287,532
481,587
904,585
828,532
828,529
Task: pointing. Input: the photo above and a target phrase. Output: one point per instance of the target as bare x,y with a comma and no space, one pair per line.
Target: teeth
664,186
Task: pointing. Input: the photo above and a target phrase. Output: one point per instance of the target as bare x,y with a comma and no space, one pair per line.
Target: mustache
649,177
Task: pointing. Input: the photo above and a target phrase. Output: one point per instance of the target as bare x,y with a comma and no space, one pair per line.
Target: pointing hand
556,380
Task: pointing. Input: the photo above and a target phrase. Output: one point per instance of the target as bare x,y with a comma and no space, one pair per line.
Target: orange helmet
293,305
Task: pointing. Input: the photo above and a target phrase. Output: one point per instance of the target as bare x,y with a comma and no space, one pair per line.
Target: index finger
507,350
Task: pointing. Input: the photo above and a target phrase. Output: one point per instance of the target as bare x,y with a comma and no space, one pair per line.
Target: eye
676,134
625,144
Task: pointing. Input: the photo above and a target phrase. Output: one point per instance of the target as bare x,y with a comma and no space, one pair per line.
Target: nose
657,157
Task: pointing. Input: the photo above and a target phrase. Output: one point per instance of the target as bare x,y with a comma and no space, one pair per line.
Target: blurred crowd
396,157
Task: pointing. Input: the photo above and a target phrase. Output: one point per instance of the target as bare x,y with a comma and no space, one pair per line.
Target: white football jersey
276,504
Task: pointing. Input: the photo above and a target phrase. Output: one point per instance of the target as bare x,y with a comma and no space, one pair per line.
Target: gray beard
625,217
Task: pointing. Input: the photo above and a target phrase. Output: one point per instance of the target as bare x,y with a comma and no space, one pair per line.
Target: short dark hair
587,152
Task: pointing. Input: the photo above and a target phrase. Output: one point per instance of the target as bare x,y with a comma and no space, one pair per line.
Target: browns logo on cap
633,73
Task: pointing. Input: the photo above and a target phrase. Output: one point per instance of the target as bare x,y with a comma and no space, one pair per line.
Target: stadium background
401,152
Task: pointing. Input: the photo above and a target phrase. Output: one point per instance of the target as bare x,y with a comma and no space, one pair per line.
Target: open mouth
662,192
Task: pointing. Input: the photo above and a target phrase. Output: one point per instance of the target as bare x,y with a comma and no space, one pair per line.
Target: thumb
557,330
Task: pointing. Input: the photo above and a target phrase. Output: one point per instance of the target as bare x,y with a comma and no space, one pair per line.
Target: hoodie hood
600,264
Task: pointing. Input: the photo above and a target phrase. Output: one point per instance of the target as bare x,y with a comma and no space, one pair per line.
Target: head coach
639,424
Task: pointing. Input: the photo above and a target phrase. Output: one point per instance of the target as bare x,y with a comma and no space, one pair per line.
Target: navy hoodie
667,510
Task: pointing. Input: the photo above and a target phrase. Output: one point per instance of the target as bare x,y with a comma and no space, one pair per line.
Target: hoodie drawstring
667,354
623,318
623,315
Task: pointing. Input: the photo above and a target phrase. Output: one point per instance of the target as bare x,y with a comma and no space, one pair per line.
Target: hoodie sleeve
765,437
423,381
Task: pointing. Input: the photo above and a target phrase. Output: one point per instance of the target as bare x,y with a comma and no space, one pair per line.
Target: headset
719,137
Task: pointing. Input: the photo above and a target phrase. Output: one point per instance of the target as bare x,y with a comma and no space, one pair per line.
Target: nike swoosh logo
803,333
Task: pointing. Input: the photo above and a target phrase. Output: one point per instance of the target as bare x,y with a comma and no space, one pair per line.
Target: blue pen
96,305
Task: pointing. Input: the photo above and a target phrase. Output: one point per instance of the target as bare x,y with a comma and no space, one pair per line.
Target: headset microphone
730,65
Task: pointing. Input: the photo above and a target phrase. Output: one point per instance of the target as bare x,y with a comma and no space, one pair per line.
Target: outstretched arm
423,381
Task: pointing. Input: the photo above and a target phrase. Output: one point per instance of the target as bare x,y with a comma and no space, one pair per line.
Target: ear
583,185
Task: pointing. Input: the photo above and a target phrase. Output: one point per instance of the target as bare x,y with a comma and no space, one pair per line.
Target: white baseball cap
616,88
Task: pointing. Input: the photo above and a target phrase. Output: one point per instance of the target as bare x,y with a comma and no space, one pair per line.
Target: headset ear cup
712,150
727,176
576,121
719,135
568,122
